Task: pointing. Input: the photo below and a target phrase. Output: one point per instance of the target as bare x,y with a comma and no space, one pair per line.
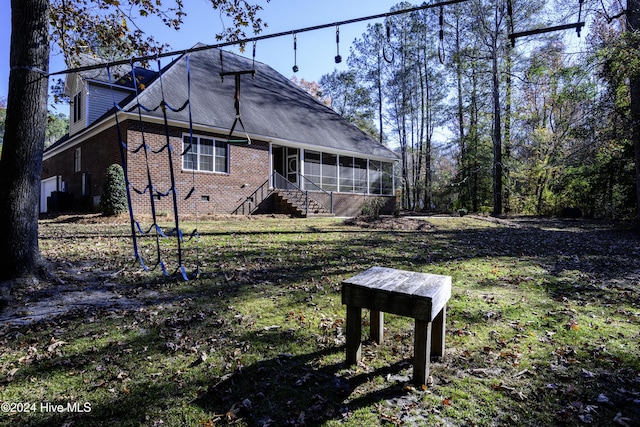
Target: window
346,174
387,178
77,107
375,177
312,167
360,175
205,154
329,172
380,177
77,160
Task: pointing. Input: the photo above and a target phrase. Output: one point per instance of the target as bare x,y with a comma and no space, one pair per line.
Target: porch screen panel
329,172
346,174
387,178
312,167
360,175
375,177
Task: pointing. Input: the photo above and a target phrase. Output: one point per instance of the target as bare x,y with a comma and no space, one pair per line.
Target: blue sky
316,50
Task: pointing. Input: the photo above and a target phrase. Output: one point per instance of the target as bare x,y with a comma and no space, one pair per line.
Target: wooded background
534,128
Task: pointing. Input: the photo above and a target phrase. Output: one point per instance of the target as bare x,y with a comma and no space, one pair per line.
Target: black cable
258,38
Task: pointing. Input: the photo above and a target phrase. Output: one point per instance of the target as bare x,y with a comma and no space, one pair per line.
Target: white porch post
301,169
271,165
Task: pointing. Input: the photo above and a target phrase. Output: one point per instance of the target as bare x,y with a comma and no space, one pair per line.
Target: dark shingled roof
270,104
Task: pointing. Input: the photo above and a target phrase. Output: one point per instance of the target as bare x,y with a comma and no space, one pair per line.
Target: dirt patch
390,223
80,287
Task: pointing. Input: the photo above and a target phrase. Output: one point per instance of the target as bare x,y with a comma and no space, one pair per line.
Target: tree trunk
633,25
473,141
507,130
380,98
497,134
21,162
463,166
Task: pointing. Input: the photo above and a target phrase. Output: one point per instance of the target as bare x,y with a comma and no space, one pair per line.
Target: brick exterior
350,204
97,153
248,170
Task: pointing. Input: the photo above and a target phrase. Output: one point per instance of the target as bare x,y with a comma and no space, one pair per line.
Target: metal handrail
280,182
253,198
251,203
316,187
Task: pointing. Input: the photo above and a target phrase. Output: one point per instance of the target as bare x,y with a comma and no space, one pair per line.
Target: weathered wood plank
377,326
401,304
421,352
354,335
419,295
438,332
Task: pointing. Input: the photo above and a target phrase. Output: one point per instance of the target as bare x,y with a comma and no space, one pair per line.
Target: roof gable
270,104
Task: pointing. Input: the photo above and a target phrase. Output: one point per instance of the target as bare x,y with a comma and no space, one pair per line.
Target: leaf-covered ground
543,326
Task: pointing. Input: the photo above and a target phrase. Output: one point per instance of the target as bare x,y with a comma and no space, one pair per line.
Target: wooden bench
419,295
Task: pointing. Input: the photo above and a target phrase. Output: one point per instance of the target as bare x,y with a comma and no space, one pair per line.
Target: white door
47,186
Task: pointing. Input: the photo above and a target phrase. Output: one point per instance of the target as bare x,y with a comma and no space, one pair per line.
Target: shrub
371,207
114,194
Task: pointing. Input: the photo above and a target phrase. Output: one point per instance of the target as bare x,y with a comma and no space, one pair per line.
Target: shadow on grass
295,390
308,388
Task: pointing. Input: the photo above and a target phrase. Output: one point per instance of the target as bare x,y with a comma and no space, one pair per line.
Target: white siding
100,100
77,85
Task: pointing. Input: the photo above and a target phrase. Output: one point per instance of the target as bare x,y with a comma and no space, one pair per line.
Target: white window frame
77,160
77,107
200,157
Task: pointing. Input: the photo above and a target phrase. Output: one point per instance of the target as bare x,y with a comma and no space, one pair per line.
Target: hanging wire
295,53
384,52
264,37
222,73
253,64
338,58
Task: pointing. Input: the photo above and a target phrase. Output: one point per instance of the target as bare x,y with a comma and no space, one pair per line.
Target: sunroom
314,170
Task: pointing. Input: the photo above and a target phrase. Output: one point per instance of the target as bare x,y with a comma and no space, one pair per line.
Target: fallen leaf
55,344
586,418
587,374
623,421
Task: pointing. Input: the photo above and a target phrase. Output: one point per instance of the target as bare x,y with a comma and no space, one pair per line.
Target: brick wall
248,170
97,153
215,192
350,204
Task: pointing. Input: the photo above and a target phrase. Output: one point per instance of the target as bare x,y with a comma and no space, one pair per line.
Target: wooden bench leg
377,326
438,333
422,350
354,335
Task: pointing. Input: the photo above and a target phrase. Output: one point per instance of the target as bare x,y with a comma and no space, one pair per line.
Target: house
287,153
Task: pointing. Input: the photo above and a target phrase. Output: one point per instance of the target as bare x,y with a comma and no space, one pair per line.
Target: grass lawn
543,327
